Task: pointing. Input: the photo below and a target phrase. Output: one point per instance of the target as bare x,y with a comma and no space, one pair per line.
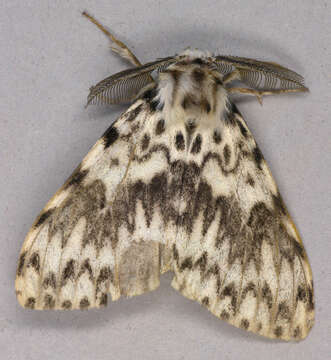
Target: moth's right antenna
120,48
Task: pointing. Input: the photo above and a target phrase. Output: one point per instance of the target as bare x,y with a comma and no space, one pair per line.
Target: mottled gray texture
51,55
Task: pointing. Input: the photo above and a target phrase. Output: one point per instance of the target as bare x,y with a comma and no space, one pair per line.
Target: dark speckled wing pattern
177,183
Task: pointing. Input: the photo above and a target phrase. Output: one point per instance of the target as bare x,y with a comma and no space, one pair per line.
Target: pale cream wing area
77,250
237,251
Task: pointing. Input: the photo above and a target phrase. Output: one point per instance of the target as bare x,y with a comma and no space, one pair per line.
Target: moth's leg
119,48
235,75
231,76
260,93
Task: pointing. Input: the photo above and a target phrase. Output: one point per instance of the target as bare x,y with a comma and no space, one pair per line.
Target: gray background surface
50,56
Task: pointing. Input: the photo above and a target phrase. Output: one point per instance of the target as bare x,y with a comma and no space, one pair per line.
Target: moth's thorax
192,89
193,54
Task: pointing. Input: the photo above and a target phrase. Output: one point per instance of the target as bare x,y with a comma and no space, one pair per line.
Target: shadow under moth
178,184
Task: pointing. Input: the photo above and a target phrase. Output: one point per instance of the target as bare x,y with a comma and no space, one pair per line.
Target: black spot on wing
228,118
205,301
205,105
105,275
306,296
68,272
250,288
66,305
49,302
21,264
86,267
225,315
217,136
43,217
242,128
214,270
175,253
244,324
30,303
49,281
202,262
114,162
179,141
35,261
134,113
298,249
157,186
267,295
160,127
261,218
258,157
301,294
283,311
297,332
152,99
230,291
250,180
77,177
278,331
279,204
84,303
229,115
196,147
226,154
156,105
234,109
110,136
103,300
186,264
145,142
149,94
311,304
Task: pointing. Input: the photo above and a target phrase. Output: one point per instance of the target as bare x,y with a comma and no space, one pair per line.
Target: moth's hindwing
177,183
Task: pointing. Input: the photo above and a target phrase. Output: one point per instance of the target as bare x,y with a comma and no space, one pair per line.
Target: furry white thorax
189,90
195,53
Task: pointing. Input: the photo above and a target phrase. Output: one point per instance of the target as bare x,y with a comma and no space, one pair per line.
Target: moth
177,184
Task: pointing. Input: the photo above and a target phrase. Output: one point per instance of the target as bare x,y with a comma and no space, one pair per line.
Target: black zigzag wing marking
184,189
243,258
73,255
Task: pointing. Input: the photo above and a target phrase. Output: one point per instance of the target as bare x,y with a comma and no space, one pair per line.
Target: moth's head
124,86
195,55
